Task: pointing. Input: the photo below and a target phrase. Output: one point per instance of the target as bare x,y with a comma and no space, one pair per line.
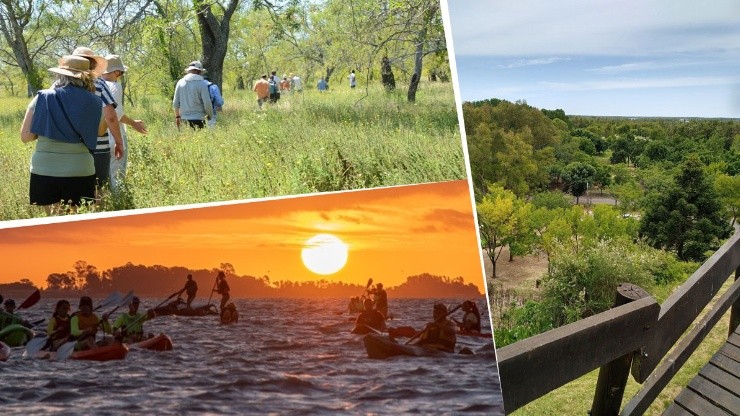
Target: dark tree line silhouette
162,281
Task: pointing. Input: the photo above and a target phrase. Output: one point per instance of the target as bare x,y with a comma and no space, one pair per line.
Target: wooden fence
634,336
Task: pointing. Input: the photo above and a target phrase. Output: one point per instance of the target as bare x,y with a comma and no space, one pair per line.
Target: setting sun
324,254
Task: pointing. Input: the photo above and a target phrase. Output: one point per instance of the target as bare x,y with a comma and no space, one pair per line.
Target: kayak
113,351
4,351
110,352
474,334
15,335
184,311
362,329
402,331
381,347
161,342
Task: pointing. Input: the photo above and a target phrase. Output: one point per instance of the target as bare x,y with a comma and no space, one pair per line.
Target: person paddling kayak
370,317
59,327
129,327
471,318
84,325
439,334
8,316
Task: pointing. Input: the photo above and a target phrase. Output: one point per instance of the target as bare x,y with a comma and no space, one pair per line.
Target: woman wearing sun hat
63,120
109,120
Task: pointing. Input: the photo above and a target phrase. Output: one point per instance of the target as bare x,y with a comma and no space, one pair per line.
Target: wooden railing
635,335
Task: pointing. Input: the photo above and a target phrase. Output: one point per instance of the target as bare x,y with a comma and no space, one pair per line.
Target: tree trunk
386,73
13,20
214,35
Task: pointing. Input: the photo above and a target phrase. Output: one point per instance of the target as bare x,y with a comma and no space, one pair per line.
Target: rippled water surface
283,357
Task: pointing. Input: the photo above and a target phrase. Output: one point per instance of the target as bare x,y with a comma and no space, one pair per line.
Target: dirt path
520,274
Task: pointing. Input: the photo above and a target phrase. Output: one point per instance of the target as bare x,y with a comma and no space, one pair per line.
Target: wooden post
735,311
613,376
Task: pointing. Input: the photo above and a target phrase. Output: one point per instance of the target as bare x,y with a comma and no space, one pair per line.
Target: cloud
644,83
576,27
532,62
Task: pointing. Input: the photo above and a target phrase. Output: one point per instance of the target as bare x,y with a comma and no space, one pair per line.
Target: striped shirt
102,91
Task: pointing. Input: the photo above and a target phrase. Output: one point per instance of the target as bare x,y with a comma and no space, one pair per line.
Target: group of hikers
79,125
438,334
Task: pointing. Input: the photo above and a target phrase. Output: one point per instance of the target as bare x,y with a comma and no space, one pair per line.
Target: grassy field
307,143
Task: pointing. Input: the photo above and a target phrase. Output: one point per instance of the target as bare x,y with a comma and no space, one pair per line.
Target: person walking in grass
110,123
262,89
112,75
192,100
352,80
64,122
296,83
322,85
217,100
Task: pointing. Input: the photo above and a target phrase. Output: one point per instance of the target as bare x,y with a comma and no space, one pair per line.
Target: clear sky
669,58
391,233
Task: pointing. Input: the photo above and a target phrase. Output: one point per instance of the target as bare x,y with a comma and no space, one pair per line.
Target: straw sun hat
73,66
100,62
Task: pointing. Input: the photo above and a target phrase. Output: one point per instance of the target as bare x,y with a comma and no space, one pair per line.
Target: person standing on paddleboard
381,299
191,288
222,288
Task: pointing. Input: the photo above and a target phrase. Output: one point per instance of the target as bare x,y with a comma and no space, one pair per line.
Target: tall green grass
309,142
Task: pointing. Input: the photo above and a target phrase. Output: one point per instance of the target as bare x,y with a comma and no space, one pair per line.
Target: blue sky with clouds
668,58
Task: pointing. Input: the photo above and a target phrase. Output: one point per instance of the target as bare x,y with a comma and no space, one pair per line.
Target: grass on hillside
310,142
577,396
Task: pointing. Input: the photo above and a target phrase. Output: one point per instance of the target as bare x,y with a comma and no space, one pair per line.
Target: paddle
32,300
124,330
369,282
212,290
124,301
66,350
37,344
436,320
372,329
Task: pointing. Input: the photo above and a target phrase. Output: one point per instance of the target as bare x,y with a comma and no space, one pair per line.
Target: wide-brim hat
114,64
73,66
100,63
195,65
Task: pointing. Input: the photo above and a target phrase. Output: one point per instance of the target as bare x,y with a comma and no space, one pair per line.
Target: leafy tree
551,200
502,217
728,192
577,177
688,217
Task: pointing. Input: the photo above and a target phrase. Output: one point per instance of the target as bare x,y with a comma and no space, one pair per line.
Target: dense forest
160,281
237,41
668,193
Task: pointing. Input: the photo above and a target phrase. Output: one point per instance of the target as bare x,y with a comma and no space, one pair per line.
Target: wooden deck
716,389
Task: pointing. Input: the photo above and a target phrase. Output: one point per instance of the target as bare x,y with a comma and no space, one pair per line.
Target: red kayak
161,342
113,351
4,351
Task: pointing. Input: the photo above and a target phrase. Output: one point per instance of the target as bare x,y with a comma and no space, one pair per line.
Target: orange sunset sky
391,233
